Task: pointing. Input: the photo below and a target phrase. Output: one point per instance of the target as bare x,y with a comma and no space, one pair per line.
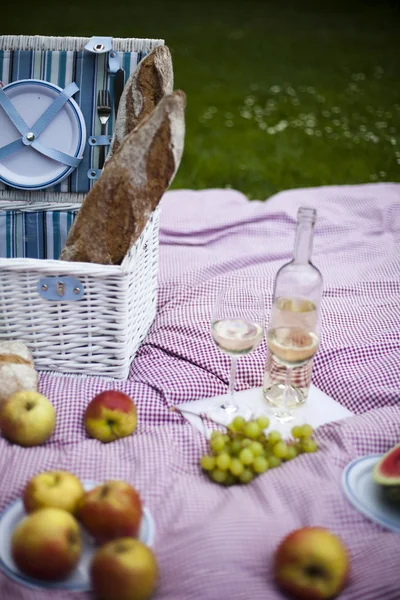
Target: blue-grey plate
364,493
28,169
79,580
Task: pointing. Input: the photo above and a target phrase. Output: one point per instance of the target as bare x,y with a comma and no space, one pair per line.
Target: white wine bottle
292,338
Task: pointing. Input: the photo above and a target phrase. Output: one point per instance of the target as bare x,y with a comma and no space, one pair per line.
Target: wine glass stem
286,393
232,378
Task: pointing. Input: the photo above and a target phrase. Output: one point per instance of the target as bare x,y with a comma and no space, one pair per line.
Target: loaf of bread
149,83
116,210
17,371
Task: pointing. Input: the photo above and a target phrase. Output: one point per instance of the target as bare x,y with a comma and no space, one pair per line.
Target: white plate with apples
79,580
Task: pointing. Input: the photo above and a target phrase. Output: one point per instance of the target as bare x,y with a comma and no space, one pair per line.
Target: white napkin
317,410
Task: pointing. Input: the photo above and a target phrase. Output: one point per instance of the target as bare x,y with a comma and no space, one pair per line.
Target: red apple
56,489
47,544
311,564
110,415
110,511
122,570
27,418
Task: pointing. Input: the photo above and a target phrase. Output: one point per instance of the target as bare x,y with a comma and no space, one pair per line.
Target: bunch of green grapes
248,450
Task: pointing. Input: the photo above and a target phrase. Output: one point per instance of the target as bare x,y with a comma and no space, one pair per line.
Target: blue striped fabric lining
61,67
39,234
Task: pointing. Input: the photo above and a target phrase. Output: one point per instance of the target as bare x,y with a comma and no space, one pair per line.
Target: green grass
281,94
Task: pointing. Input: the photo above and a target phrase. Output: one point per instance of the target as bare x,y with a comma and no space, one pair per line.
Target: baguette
116,210
149,83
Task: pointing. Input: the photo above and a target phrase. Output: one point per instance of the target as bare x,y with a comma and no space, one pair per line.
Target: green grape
308,445
217,444
228,447
223,461
306,431
280,449
246,456
216,434
218,476
260,464
230,479
262,422
252,430
237,424
274,437
207,462
236,446
297,431
267,452
256,448
273,462
236,467
246,476
292,452
246,442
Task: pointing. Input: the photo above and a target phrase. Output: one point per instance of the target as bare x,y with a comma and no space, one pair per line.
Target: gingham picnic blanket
211,542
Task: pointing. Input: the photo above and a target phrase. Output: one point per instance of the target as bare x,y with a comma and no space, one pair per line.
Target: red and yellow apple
27,418
110,415
311,564
122,570
53,489
47,544
111,510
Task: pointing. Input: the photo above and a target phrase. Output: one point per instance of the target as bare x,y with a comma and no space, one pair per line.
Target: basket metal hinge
56,289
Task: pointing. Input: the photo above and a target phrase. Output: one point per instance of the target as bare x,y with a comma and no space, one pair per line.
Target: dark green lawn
281,94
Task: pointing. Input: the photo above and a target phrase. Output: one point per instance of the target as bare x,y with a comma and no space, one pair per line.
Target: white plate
28,169
364,493
79,580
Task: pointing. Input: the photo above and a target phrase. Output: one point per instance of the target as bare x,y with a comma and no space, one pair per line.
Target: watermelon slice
386,474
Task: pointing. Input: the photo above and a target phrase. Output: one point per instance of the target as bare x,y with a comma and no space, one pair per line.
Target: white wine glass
237,328
292,341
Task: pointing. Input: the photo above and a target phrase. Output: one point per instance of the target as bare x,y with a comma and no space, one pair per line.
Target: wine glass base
224,413
283,399
283,417
295,397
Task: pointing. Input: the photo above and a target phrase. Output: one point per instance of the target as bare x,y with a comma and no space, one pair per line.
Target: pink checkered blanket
211,542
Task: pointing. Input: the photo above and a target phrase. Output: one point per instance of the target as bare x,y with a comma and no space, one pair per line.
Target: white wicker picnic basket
100,332
75,317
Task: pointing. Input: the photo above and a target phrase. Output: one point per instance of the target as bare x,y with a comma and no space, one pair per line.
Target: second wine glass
237,328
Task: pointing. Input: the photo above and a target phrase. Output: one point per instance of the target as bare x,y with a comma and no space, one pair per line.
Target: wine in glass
237,329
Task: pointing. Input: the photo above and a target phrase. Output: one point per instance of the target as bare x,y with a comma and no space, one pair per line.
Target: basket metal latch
60,289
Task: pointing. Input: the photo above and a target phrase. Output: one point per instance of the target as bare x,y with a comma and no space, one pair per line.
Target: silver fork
104,113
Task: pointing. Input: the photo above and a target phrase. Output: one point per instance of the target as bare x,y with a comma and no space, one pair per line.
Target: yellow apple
27,418
124,569
110,415
47,544
56,489
311,564
111,510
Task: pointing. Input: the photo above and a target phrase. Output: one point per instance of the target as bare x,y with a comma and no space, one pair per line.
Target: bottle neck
303,241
